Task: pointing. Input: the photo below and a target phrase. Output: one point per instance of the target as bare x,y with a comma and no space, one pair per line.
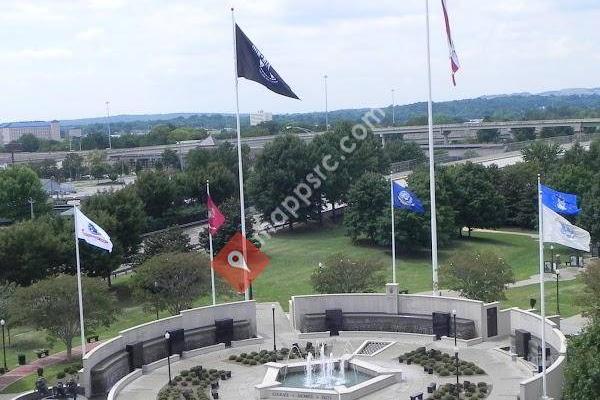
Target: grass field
293,258
295,255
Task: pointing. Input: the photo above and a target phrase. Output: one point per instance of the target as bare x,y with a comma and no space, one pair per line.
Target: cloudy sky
64,58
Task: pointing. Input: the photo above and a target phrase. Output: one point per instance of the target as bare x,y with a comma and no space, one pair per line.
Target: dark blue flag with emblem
562,203
251,64
404,198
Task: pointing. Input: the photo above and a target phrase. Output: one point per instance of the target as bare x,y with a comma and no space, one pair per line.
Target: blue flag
251,64
562,203
405,199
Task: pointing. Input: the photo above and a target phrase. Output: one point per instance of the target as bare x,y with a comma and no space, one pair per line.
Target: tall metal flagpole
434,255
210,246
239,153
79,290
393,230
542,294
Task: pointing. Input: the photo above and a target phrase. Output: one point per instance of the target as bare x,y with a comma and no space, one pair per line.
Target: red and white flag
215,218
454,65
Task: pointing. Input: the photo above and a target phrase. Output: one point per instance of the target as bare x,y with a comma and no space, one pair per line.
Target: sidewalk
28,369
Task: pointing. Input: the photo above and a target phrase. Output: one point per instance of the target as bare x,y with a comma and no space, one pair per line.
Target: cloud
90,34
40,54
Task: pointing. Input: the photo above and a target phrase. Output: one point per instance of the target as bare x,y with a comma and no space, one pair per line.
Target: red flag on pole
454,65
215,218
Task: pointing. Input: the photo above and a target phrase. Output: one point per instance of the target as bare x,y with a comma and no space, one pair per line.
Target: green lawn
28,383
293,258
295,255
568,293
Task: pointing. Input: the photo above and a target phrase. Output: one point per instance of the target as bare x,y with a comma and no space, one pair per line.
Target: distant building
260,117
13,131
75,132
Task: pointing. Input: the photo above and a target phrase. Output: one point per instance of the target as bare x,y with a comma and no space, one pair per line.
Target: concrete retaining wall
112,356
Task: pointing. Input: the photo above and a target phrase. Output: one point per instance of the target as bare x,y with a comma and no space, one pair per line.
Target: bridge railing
582,137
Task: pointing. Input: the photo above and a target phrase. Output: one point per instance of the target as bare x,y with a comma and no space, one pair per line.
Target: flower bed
261,357
442,364
194,384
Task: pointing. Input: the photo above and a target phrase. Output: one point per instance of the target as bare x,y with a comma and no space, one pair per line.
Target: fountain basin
286,381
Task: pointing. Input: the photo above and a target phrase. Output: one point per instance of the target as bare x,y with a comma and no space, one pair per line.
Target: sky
64,59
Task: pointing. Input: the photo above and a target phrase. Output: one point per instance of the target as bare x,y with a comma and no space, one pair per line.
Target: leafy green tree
170,159
29,143
340,274
571,178
589,297
367,201
127,209
172,281
18,184
156,191
553,131
33,250
169,241
518,186
476,199
477,275
283,164
414,230
47,169
7,290
488,135
52,304
582,372
231,210
589,218
400,150
543,157
223,183
73,166
523,134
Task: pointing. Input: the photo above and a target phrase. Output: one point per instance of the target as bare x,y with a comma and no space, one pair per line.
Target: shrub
196,382
232,357
253,362
444,372
467,372
178,378
184,383
185,372
245,361
61,375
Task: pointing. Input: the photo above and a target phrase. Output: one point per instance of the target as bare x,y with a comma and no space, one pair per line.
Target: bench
417,396
41,353
93,338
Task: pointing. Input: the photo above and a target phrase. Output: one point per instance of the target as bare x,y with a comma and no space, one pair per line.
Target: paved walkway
24,370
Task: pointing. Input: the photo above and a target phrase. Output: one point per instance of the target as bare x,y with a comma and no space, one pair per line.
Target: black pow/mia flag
251,64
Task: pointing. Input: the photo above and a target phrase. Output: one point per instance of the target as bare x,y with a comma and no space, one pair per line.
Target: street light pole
108,123
274,343
31,201
551,257
168,341
455,350
3,322
557,300
393,109
326,106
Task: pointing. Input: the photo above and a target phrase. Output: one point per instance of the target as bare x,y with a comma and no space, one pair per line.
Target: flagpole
542,294
393,230
210,245
79,291
434,255
239,153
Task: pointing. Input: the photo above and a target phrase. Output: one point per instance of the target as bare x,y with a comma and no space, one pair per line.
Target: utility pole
393,109
31,201
326,107
108,123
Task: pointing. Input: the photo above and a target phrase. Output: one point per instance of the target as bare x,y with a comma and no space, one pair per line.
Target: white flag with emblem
558,230
90,232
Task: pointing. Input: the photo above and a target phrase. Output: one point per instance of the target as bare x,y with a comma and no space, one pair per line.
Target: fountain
325,377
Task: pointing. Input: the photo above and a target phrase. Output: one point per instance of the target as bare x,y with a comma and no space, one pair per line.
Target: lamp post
326,107
3,322
168,342
455,350
393,109
551,257
557,301
108,123
274,344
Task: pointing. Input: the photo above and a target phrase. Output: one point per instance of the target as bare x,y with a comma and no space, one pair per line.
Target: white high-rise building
13,131
260,117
